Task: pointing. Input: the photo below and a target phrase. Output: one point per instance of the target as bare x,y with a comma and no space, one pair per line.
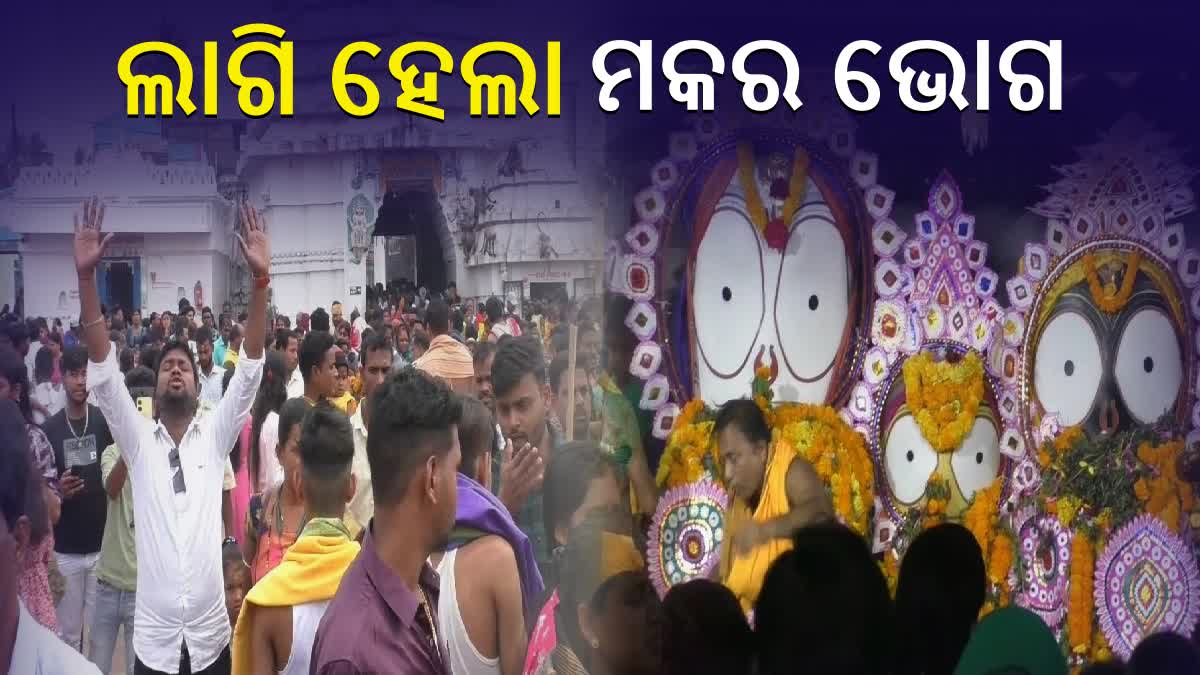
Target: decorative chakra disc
686,534
1045,566
1146,582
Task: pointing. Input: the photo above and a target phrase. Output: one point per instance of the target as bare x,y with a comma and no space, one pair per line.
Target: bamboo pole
572,353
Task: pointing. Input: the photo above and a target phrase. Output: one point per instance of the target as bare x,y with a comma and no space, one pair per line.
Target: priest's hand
749,536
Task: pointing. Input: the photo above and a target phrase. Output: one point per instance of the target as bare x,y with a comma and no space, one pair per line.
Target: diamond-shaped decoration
1058,236
986,282
991,310
875,365
862,405
879,201
1010,365
865,168
1007,402
887,238
976,254
642,239
1084,225
664,420
888,278
1036,260
981,333
944,200
647,358
926,224
934,322
1189,268
642,320
1013,327
683,146
888,324
841,140
650,205
914,252
1121,219
1020,292
664,175
958,322
655,393
1012,445
964,227
1171,241
1149,223
639,277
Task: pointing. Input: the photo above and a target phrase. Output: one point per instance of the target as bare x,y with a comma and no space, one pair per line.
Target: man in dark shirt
384,616
79,434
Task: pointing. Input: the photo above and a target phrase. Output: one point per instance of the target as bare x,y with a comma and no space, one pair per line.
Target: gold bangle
99,320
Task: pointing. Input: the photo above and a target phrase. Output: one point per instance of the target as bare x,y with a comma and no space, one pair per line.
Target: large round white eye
1149,366
727,295
976,463
1067,368
813,293
909,460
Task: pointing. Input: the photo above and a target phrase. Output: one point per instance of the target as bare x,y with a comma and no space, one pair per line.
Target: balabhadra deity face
908,458
790,308
1108,371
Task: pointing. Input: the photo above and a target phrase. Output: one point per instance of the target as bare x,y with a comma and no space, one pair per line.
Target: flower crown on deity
636,265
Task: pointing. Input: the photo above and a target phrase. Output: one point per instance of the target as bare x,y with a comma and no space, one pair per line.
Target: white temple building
506,207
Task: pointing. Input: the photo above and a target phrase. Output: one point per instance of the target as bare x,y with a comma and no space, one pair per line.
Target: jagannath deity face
1106,349
775,273
912,458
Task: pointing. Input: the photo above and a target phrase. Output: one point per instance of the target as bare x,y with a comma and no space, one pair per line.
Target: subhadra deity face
965,462
774,278
1106,345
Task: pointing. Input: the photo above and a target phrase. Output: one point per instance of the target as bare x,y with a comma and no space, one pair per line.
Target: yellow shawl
744,574
310,572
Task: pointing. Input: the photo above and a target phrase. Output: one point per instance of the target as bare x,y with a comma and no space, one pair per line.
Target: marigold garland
944,397
1166,496
1111,300
1079,602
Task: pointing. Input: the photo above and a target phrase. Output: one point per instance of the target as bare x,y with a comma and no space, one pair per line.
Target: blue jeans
114,609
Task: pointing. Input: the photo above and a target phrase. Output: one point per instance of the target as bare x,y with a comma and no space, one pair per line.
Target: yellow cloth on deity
310,572
744,574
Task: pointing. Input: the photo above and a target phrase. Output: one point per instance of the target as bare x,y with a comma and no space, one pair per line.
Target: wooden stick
572,353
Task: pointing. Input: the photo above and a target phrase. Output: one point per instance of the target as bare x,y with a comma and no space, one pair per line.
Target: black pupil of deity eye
979,458
726,293
1148,365
1069,368
909,455
813,302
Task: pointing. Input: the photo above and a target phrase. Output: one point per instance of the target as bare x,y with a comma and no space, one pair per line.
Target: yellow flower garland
1111,300
944,397
797,186
1079,600
1167,497
817,433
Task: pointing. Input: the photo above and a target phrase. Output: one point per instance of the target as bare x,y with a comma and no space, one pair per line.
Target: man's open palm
89,242
253,241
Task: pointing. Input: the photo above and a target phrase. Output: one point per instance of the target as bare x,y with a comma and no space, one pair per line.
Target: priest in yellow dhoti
774,493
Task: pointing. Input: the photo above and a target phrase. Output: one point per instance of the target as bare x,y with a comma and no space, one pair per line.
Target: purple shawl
481,513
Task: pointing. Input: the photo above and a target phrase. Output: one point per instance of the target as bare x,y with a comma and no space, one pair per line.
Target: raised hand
89,242
519,475
253,241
